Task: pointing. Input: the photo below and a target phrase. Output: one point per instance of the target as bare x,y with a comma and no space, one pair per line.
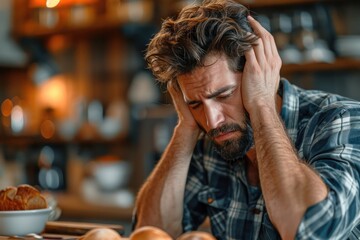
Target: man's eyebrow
212,95
220,91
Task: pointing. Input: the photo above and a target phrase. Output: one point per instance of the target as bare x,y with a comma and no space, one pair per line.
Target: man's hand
186,119
261,74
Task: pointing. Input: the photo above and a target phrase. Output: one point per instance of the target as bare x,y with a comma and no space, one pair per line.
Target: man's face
213,94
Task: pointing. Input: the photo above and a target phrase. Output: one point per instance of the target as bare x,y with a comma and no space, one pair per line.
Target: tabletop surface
49,237
66,230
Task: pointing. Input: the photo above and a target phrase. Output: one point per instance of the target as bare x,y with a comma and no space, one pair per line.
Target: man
263,159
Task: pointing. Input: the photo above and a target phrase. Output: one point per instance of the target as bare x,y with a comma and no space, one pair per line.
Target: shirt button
210,200
256,211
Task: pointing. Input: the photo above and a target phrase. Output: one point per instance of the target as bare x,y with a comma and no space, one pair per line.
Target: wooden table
69,230
58,237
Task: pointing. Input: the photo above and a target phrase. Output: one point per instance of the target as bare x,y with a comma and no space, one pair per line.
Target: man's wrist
187,131
260,107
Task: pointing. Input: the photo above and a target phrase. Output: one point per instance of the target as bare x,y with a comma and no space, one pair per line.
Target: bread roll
149,233
23,197
196,235
101,234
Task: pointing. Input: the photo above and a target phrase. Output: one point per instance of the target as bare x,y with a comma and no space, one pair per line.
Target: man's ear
177,86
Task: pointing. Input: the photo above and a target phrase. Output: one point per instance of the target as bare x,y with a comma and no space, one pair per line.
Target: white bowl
110,127
348,46
23,222
111,175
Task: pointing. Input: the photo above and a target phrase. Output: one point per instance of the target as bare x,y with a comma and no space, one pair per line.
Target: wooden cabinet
98,17
96,45
33,19
281,3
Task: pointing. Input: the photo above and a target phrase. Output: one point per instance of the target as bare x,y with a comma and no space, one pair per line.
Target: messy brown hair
215,26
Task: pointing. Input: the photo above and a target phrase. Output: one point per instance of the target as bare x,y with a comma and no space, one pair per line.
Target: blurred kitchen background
84,120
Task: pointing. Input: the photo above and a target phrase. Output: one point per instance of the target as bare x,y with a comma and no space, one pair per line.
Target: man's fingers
173,90
264,36
176,95
173,93
250,57
256,26
260,52
170,86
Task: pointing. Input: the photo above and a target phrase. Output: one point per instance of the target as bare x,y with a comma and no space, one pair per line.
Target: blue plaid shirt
325,130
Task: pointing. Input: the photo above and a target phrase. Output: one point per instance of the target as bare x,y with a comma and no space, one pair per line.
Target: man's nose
214,116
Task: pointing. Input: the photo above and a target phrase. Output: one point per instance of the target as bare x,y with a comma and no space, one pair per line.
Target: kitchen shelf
101,26
75,207
78,19
38,140
281,3
338,65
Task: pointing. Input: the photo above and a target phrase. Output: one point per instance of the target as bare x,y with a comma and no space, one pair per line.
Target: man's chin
235,148
231,151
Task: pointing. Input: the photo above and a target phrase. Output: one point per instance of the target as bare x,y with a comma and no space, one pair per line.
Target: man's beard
234,149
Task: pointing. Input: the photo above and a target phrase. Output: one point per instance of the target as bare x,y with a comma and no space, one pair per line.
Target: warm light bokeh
47,129
57,3
52,3
6,107
53,94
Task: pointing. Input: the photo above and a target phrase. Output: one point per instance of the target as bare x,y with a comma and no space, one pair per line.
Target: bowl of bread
23,210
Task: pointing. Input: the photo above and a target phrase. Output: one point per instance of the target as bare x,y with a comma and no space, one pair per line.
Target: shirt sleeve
332,149
194,210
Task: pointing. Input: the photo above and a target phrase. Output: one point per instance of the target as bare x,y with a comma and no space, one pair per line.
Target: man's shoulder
327,102
317,101
319,111
316,108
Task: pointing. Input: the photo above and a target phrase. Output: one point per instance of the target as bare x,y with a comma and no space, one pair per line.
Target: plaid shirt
325,130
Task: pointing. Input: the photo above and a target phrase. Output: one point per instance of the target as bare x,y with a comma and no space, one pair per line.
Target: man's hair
215,26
